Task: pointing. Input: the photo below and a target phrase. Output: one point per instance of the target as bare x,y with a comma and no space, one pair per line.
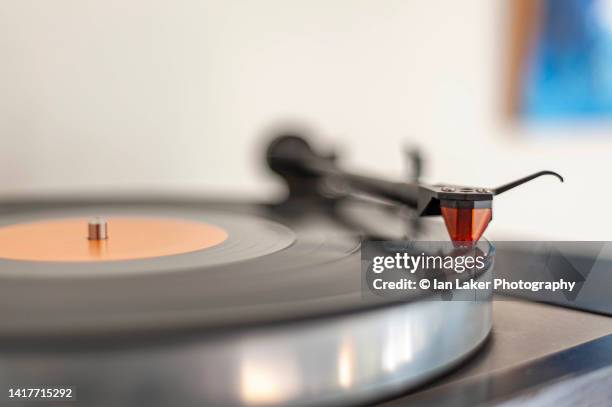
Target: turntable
152,301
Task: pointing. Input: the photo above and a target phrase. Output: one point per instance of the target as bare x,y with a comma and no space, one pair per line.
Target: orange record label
128,238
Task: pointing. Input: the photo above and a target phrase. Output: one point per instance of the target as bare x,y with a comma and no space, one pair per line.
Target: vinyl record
214,265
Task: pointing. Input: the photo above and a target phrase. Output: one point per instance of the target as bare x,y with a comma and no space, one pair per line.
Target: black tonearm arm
294,159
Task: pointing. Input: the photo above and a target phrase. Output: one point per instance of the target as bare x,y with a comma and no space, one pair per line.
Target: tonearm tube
466,210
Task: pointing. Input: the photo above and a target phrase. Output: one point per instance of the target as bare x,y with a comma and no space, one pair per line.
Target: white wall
132,95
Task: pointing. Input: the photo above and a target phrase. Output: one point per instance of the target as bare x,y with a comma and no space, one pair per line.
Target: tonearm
466,210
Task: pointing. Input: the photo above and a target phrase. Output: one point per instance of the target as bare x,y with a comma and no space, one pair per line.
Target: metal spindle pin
97,229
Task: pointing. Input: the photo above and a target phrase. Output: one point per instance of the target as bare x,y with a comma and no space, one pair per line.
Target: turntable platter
253,304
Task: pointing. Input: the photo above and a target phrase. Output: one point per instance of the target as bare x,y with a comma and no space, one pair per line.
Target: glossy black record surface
279,263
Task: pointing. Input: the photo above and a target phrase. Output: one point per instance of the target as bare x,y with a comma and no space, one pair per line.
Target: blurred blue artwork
569,68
